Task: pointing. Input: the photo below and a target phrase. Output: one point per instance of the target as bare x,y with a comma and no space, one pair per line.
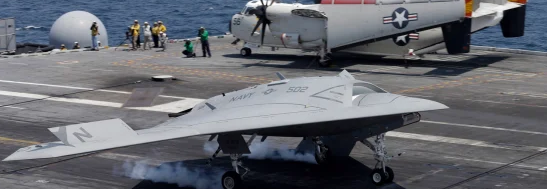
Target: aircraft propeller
260,13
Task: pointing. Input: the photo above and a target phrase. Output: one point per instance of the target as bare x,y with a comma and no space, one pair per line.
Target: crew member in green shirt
189,52
204,38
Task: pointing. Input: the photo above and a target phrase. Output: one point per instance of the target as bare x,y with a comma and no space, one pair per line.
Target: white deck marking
125,157
508,103
81,88
14,107
171,107
498,163
18,63
484,127
452,140
103,70
60,66
533,95
487,70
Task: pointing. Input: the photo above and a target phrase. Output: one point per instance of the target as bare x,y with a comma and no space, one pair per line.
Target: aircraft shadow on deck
445,67
269,174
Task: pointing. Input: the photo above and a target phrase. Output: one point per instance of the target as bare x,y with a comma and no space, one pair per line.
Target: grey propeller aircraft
330,113
377,27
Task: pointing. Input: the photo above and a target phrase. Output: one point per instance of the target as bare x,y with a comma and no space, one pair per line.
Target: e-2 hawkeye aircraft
376,27
330,113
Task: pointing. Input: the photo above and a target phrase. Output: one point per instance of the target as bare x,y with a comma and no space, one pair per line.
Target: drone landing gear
236,146
233,179
381,174
322,153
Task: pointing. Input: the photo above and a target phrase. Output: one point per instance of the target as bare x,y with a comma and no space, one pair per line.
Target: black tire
389,174
231,180
245,51
378,177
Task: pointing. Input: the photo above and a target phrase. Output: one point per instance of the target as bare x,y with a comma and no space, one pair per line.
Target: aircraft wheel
389,174
378,177
245,51
231,180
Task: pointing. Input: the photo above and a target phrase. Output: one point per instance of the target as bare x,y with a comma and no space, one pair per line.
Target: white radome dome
75,27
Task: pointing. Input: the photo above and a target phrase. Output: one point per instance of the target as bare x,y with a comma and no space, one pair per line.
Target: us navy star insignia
400,18
403,40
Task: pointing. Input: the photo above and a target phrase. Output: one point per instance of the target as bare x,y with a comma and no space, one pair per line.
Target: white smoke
177,173
265,150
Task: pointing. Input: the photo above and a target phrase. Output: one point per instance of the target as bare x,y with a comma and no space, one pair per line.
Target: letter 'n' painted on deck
80,135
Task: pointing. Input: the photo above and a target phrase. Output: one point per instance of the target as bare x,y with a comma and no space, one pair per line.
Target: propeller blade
261,1
263,33
257,25
272,2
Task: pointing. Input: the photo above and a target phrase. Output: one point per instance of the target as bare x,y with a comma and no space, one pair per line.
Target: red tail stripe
347,1
339,2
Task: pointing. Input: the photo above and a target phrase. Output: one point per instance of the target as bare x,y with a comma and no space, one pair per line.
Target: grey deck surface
497,116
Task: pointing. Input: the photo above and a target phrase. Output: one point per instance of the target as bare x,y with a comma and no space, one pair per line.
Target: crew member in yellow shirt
155,34
135,29
94,32
162,29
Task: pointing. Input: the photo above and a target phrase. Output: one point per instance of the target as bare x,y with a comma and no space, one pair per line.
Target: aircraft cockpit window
245,9
364,88
248,10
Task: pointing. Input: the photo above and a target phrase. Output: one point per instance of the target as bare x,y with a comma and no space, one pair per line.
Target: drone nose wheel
231,180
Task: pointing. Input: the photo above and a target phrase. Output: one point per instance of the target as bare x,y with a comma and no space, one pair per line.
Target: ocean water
183,17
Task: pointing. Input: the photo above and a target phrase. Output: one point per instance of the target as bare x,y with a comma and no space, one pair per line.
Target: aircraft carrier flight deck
493,135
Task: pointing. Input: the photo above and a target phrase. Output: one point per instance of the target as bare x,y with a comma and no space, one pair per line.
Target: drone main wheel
231,180
389,174
378,177
245,51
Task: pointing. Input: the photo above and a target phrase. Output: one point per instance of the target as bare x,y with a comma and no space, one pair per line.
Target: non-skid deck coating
498,103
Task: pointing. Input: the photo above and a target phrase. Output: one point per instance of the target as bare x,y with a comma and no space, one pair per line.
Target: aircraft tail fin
510,14
480,14
512,24
73,135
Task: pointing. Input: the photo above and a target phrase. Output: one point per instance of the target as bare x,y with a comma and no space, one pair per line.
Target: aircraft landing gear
381,174
233,179
325,57
325,61
245,51
322,152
